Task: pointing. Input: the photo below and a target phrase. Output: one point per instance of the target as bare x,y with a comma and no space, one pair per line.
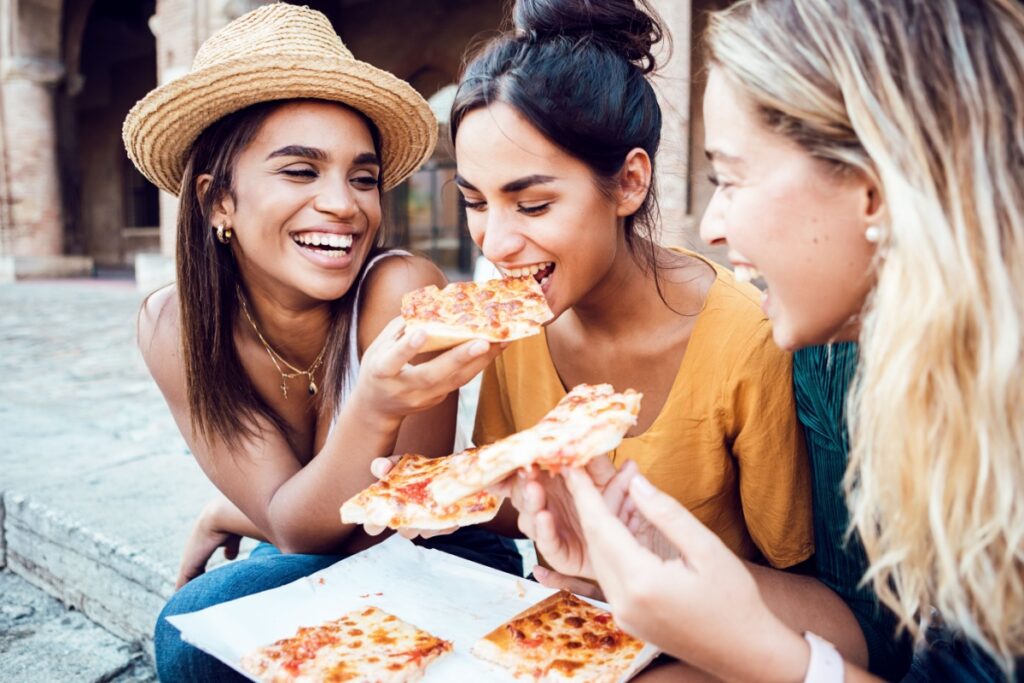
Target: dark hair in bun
618,25
576,70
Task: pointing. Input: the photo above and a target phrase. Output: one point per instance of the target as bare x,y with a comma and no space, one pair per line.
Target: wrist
367,414
780,651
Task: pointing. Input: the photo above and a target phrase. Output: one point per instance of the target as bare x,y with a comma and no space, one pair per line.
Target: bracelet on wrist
826,664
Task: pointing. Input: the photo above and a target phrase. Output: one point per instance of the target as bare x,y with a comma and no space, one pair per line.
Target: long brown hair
577,71
222,400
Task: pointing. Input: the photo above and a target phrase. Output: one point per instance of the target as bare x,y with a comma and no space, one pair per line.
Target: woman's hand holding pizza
695,606
391,386
380,467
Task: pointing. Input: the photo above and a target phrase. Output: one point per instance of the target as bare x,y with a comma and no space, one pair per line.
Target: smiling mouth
540,272
750,274
327,244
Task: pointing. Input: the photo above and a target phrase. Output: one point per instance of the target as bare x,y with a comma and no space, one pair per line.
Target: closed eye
366,182
535,209
300,172
471,205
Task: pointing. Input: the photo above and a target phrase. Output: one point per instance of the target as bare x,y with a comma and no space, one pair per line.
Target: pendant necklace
277,359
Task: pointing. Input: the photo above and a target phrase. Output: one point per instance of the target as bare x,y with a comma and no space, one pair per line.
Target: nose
338,199
712,225
500,239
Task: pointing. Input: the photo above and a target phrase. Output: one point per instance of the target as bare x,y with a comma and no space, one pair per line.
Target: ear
634,182
223,209
873,210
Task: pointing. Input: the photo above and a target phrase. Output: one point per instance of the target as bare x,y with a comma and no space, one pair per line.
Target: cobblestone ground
74,394
72,377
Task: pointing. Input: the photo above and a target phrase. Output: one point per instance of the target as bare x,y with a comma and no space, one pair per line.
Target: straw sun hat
275,52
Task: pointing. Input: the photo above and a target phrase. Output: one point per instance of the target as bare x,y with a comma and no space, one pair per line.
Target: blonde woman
869,157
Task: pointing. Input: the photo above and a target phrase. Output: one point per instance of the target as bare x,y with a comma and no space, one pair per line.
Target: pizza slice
495,311
589,421
402,499
365,645
564,638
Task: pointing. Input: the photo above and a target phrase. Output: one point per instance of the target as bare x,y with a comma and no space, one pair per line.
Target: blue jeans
266,568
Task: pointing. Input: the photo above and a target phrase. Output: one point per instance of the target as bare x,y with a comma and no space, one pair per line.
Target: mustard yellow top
726,444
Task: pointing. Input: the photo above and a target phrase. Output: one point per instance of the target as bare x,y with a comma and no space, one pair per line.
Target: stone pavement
98,489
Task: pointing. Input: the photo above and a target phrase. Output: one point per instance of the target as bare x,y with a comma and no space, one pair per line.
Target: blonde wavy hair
926,98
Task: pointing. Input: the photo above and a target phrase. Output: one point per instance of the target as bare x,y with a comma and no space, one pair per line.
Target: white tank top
467,395
352,372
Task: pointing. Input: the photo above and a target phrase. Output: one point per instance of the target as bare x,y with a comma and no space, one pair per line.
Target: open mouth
750,274
327,244
540,272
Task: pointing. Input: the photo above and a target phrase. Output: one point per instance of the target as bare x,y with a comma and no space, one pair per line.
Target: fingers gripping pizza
363,646
495,311
563,638
591,420
402,500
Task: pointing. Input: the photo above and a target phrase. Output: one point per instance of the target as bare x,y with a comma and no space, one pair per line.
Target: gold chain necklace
277,358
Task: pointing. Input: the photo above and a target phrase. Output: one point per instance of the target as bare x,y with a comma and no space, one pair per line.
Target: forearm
304,511
225,516
805,604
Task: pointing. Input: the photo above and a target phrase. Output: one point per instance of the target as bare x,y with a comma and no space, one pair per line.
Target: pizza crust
367,645
402,500
501,310
589,421
563,638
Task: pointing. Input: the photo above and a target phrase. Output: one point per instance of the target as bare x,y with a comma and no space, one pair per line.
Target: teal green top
821,379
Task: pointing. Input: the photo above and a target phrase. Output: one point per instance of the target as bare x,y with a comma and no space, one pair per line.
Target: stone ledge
119,589
32,267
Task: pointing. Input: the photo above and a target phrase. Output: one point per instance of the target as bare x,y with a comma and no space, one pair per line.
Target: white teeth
526,270
746,273
325,239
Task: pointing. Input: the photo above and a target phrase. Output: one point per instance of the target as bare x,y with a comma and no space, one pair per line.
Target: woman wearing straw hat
274,349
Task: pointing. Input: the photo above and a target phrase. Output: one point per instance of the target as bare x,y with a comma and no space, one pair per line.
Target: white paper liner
448,596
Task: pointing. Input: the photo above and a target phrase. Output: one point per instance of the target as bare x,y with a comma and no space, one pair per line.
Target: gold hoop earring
224,234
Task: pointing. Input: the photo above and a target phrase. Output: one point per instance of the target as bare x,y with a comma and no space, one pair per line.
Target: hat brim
161,128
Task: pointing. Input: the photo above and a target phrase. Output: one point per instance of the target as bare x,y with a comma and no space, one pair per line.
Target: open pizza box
448,596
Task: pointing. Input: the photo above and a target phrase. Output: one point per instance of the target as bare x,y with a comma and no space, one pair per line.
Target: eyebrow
299,151
513,186
317,154
718,155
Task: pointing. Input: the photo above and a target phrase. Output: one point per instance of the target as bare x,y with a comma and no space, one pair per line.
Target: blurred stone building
72,204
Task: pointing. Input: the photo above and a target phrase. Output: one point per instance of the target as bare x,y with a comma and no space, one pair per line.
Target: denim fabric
266,568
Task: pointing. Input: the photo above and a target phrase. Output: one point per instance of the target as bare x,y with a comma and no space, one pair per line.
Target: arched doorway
113,210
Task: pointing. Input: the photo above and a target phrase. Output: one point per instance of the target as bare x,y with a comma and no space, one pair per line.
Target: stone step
41,641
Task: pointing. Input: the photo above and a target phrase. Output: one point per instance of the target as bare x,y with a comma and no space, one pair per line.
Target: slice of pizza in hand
363,646
564,638
495,311
402,500
591,420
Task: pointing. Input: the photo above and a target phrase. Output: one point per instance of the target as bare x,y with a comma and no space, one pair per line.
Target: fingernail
641,486
417,338
478,348
540,572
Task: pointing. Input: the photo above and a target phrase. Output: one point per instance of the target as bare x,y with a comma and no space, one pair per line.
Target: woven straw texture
275,52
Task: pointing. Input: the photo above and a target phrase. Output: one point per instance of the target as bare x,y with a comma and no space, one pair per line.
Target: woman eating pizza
556,128
274,349
868,157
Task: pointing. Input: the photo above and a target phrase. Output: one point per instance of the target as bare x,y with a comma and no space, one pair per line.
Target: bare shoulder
392,277
159,339
383,288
